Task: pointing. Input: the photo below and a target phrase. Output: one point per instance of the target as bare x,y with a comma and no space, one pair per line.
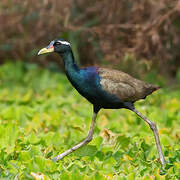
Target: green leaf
145,146
33,138
118,155
87,150
122,142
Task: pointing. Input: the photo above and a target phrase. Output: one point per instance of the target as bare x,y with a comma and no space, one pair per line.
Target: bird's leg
156,135
82,143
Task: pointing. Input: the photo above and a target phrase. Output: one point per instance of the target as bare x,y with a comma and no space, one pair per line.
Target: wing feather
124,86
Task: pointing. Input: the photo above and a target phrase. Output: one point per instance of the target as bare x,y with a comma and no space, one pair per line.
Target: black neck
68,59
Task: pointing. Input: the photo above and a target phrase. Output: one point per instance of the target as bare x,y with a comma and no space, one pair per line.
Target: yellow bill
46,50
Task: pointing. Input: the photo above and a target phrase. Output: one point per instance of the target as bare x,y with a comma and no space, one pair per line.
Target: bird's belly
101,98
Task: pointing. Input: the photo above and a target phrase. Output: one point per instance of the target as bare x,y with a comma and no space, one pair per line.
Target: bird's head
57,45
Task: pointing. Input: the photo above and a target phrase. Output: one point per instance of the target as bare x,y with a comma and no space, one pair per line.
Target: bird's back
124,86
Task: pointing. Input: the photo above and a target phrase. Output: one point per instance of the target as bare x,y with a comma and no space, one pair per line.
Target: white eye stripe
65,42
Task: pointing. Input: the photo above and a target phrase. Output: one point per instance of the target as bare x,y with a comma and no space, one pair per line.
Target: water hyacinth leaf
33,138
25,156
122,142
145,146
8,137
97,141
87,150
118,155
100,155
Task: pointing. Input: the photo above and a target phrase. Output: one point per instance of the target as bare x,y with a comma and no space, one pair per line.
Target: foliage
26,26
42,115
100,31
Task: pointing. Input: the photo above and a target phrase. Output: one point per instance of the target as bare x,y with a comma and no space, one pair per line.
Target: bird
105,89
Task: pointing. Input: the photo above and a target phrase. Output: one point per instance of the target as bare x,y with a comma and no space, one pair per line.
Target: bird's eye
57,43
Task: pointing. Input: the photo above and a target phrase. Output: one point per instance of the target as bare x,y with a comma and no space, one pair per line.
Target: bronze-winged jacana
104,88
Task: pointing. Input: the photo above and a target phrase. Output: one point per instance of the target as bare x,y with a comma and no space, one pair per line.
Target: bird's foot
163,168
162,171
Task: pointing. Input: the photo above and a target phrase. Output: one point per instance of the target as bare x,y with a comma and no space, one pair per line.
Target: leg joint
153,126
88,139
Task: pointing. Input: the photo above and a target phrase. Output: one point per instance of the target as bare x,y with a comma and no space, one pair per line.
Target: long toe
162,171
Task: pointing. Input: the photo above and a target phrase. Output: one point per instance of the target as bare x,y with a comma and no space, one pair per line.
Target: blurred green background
42,115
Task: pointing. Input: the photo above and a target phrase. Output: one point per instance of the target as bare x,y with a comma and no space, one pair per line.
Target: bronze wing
124,86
